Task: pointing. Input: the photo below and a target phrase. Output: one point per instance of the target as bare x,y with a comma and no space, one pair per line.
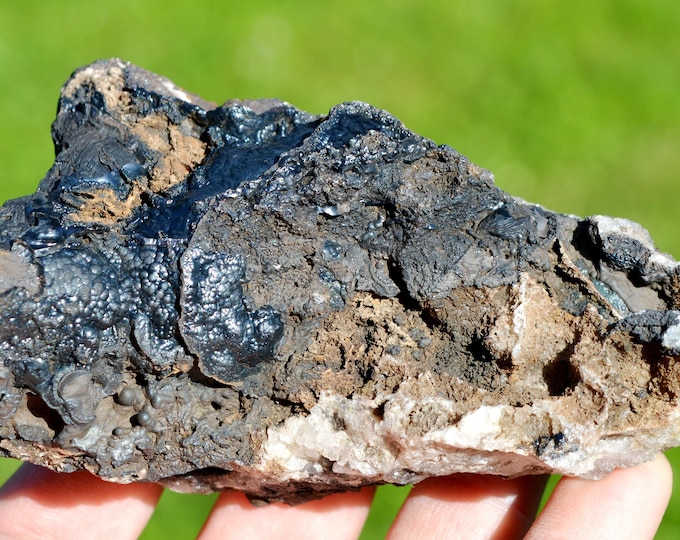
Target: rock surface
253,297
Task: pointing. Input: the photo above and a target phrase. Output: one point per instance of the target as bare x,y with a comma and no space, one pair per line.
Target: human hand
627,504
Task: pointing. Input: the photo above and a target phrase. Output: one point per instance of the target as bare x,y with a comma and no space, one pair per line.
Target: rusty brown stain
181,153
103,206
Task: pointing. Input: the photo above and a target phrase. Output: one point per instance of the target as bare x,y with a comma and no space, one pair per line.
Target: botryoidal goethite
253,297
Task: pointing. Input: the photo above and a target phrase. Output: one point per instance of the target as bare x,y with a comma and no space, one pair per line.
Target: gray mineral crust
252,297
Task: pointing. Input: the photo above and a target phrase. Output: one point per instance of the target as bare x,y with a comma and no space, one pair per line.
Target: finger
336,517
38,503
469,506
629,503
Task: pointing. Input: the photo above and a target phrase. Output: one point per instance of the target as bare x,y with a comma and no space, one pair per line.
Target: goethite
253,297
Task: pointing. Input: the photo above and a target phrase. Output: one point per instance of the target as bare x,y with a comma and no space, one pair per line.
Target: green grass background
573,105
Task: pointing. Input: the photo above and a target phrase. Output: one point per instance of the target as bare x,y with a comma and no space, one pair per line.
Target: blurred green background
573,105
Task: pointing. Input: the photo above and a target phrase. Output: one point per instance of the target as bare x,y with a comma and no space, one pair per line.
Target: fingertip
469,506
71,489
661,469
39,503
339,516
626,504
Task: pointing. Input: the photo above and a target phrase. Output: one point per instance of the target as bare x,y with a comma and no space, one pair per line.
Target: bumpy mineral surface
253,297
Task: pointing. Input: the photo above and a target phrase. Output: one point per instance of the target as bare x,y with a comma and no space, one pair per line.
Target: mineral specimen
253,297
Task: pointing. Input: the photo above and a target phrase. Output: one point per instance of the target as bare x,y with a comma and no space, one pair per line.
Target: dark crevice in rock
196,376
38,408
397,276
427,314
560,375
583,243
